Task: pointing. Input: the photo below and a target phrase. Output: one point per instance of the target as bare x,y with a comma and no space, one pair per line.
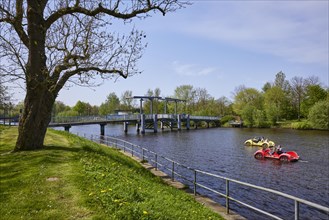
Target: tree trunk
39,98
35,119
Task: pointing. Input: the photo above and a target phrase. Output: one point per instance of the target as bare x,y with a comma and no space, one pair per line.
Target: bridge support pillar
125,127
102,129
67,128
137,128
208,124
155,123
187,122
171,125
143,123
161,125
179,122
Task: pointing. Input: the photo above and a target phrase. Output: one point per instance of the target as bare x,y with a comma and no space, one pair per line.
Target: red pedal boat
289,156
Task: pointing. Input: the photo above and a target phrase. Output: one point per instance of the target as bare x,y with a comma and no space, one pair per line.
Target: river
221,151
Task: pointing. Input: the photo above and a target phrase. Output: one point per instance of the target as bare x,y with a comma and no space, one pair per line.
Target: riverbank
73,178
288,124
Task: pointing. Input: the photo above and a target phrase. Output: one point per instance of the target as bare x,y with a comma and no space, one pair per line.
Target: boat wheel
259,156
284,159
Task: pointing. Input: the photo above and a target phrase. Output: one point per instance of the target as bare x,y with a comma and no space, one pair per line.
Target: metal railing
208,118
172,167
69,119
128,117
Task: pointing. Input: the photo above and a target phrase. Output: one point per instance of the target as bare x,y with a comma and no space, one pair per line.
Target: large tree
247,96
50,43
188,94
298,87
111,104
274,102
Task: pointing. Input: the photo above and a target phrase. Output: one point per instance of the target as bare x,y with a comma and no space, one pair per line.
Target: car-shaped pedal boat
289,156
259,142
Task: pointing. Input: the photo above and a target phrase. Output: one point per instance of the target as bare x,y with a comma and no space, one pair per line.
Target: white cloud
294,30
192,69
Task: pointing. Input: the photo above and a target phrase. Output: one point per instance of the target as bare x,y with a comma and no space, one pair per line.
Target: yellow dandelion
145,212
90,194
103,191
103,174
116,200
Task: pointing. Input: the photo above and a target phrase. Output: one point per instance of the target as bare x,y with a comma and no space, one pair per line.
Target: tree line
304,100
300,99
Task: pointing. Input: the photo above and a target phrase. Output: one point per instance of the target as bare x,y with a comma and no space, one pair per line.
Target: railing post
296,210
143,154
227,195
124,146
156,161
172,171
132,150
194,183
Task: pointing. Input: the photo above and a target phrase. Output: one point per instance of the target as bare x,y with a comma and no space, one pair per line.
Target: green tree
94,110
314,93
266,86
126,100
203,101
247,96
319,115
152,104
111,104
272,113
281,82
259,117
68,113
60,107
274,104
224,106
57,42
188,94
82,108
4,98
247,114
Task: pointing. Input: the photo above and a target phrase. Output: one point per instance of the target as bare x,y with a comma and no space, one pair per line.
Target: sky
220,45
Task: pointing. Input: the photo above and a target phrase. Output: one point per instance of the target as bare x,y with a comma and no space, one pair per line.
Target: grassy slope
73,178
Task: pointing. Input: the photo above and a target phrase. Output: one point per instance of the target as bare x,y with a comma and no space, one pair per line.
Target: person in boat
256,139
272,150
279,149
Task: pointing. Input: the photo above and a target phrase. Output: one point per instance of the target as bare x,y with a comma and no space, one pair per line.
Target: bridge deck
133,118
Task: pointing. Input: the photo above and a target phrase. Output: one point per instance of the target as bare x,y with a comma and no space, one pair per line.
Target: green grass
73,178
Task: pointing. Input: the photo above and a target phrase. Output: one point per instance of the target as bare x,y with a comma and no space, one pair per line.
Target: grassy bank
73,178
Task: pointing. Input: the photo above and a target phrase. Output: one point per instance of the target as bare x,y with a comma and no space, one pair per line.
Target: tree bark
34,120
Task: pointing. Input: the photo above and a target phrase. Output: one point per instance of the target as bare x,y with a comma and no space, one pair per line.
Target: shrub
226,119
318,116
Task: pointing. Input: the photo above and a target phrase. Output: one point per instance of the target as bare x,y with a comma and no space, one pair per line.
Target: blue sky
220,45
